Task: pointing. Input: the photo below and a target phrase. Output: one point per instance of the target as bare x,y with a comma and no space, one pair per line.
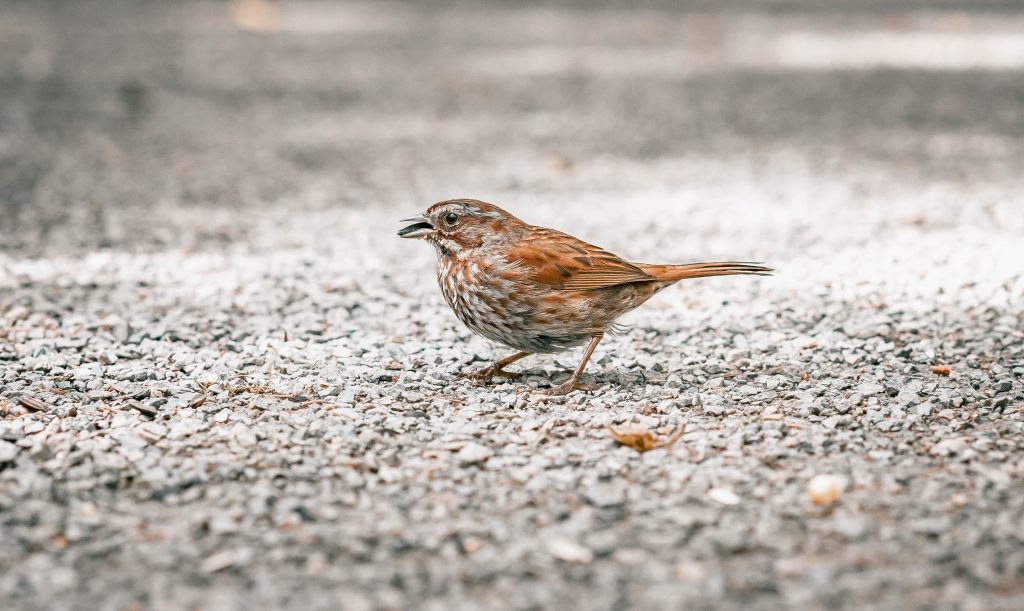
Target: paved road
198,221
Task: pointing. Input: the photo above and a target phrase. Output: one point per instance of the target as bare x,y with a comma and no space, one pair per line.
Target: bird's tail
674,273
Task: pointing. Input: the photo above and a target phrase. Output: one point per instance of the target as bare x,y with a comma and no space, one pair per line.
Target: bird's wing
550,257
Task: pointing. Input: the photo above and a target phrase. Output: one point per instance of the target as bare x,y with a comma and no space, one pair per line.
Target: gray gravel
226,384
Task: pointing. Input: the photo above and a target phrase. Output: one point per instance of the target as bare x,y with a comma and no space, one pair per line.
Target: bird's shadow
619,377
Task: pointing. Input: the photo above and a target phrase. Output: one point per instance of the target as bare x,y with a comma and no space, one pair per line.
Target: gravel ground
226,383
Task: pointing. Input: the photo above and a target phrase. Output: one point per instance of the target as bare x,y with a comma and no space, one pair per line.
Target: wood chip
59,541
941,370
36,405
143,409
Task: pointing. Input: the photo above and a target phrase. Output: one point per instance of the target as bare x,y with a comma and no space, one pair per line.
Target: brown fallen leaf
33,404
941,370
642,440
143,409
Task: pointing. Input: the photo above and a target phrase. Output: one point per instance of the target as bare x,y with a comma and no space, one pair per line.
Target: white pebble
825,489
724,496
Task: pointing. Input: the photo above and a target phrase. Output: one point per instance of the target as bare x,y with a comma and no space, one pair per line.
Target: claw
508,375
489,372
559,391
566,388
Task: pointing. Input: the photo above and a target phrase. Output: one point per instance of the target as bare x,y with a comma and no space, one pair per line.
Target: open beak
420,227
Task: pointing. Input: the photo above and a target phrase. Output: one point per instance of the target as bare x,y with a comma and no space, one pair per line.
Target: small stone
849,526
825,489
87,372
8,451
690,571
724,496
473,453
949,447
225,560
606,495
567,550
713,405
868,389
152,432
909,393
243,435
207,377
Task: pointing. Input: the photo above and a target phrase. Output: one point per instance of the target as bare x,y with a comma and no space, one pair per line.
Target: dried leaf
143,409
642,440
674,437
34,404
941,370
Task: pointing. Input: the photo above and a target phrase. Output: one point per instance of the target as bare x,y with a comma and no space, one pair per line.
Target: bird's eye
451,218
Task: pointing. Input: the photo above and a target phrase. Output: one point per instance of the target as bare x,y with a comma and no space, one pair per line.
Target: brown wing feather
563,262
674,273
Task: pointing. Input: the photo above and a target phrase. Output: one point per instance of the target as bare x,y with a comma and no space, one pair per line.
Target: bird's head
455,225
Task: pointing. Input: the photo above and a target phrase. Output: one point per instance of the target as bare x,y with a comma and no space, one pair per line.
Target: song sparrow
538,290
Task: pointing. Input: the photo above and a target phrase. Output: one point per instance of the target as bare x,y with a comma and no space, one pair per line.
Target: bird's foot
566,388
482,375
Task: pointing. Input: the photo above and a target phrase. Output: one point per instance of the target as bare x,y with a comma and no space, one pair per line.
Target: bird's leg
498,369
574,382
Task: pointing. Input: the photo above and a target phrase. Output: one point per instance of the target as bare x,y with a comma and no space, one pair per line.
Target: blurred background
195,124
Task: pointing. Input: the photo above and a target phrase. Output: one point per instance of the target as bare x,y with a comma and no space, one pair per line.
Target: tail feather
673,273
